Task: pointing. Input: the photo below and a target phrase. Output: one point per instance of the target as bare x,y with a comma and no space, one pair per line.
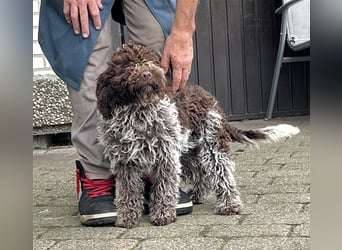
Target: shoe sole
98,219
181,209
110,218
184,208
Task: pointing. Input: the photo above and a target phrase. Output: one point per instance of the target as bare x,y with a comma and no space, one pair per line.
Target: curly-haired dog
147,130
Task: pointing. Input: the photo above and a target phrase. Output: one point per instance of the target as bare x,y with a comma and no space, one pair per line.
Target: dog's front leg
130,197
165,191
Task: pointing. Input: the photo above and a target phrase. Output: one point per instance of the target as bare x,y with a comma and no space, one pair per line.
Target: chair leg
277,68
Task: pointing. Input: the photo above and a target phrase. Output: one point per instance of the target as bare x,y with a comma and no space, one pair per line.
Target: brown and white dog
147,130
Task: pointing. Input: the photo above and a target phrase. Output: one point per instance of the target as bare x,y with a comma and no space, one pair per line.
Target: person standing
76,37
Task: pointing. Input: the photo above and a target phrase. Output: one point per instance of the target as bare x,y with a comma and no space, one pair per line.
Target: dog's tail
268,134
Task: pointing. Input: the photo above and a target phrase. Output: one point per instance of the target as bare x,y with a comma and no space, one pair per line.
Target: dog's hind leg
217,174
130,199
194,174
227,196
165,190
214,155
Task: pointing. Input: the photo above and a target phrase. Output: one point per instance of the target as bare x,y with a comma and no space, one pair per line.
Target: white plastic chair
295,29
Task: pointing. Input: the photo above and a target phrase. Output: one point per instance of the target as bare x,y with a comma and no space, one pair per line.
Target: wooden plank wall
236,43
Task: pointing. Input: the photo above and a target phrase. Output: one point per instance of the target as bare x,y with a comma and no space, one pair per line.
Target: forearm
185,16
178,50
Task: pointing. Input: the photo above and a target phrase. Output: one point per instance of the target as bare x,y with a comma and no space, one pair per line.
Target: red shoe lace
94,188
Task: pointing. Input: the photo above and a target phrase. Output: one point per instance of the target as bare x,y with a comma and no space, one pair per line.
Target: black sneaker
184,205
96,205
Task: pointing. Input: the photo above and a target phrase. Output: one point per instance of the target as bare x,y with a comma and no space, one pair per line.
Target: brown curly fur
114,87
166,131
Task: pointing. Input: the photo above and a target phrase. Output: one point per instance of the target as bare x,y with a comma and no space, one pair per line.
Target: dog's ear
107,95
110,84
111,89
104,94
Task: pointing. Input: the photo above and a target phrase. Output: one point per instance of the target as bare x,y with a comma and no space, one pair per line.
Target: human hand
76,12
178,51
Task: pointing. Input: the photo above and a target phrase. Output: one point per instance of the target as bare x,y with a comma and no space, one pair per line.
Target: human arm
178,50
76,12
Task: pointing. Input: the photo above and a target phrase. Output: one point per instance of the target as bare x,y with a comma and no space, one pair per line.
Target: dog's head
133,76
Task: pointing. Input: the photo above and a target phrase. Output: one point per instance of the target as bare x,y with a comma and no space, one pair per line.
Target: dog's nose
146,74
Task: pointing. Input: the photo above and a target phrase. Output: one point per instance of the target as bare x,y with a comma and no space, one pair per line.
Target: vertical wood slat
204,48
220,54
267,31
252,57
235,42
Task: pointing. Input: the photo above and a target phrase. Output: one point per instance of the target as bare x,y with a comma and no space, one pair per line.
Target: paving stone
280,217
243,181
300,157
284,172
53,212
302,230
271,209
295,164
82,233
208,205
50,186
95,244
205,220
53,193
43,244
64,185
251,164
43,201
288,198
293,180
182,244
249,230
306,207
38,232
249,198
66,221
243,174
169,231
268,243
275,189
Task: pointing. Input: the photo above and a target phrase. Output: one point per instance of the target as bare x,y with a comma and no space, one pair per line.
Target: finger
95,14
74,19
83,9
165,62
99,4
66,11
185,77
176,78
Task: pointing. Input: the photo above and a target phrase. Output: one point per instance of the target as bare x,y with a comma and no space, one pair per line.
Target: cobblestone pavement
274,182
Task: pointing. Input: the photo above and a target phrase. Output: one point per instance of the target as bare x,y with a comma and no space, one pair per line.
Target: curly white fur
148,130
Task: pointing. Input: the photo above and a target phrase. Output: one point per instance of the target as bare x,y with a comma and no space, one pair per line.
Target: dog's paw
229,209
127,220
163,218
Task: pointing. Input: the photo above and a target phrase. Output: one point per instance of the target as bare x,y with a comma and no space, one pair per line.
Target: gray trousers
142,27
